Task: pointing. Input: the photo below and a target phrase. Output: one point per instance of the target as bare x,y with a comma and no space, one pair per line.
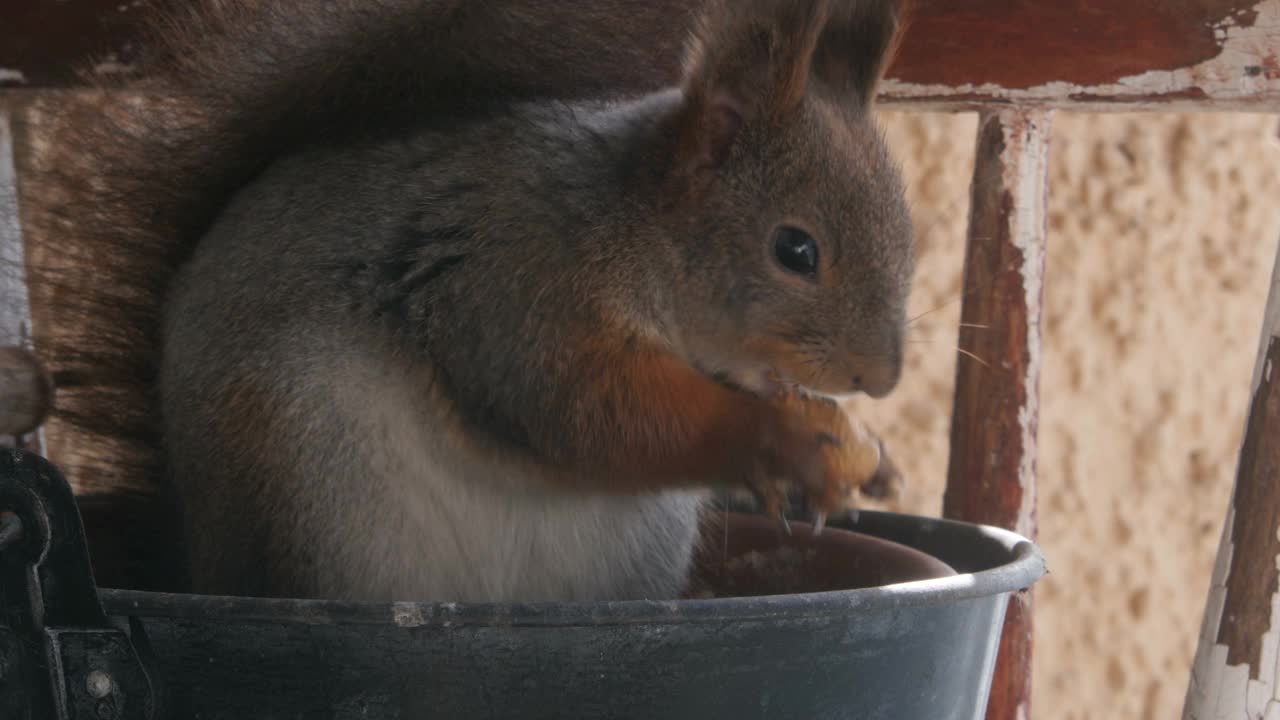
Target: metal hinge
60,656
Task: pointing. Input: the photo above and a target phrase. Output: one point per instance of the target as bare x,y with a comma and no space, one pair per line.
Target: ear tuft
857,45
757,51
746,59
756,59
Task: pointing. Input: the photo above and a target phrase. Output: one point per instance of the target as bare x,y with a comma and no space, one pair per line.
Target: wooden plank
1091,55
956,54
1236,673
991,474
15,312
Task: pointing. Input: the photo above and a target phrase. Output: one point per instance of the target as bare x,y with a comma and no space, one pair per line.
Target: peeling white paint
1025,168
1271,325
1218,690
1231,80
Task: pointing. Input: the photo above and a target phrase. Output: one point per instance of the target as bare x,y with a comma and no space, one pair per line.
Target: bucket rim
1022,565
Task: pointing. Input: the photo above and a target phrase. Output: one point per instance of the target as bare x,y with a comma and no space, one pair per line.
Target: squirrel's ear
856,47
746,58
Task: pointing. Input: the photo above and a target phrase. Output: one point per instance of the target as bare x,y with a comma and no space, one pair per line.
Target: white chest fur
440,523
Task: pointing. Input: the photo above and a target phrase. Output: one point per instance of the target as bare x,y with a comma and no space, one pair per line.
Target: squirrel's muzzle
876,376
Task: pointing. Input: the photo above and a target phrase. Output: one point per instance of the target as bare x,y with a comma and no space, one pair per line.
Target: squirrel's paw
821,451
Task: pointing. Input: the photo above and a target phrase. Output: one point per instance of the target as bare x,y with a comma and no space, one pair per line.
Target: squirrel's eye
796,250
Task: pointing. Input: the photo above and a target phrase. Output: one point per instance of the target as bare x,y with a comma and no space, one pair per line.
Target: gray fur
358,313
281,327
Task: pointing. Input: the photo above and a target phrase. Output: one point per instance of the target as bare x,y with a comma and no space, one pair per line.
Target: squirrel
434,300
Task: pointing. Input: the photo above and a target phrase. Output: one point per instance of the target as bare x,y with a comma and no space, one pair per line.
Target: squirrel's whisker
973,357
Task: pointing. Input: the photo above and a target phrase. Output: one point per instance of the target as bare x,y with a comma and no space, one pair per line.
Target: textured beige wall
1162,231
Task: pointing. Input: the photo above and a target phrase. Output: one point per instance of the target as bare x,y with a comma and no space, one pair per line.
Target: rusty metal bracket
60,657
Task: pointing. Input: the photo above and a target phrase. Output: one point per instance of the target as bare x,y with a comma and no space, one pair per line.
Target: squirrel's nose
876,376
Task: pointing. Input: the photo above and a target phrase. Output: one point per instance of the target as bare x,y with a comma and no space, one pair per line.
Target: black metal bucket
922,649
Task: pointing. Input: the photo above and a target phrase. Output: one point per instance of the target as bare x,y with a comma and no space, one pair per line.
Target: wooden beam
1091,55
1237,664
956,54
991,477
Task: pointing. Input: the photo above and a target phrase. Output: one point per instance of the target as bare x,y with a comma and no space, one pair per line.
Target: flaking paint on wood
991,474
1144,54
1236,675
955,55
1082,42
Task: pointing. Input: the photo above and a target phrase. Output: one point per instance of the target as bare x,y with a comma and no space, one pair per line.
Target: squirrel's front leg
646,420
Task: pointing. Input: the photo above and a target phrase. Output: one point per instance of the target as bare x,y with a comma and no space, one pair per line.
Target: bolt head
98,684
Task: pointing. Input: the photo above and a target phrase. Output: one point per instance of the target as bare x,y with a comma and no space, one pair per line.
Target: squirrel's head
790,229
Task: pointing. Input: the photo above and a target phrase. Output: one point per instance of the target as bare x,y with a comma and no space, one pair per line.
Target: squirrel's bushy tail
131,175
